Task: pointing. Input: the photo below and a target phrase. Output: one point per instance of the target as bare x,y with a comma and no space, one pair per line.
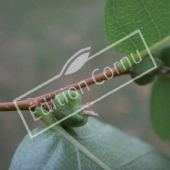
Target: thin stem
117,71
25,104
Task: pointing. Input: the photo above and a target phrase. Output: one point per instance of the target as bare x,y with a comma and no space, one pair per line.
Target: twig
25,104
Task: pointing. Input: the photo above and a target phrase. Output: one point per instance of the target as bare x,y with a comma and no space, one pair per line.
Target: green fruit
144,66
160,106
165,56
66,103
164,53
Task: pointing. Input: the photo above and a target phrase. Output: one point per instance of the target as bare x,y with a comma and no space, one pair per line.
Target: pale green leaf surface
160,107
151,17
117,150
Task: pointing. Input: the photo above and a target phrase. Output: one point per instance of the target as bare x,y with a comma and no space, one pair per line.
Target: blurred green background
36,40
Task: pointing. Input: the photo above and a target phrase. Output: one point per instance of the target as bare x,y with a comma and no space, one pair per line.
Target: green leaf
160,107
52,151
144,66
124,17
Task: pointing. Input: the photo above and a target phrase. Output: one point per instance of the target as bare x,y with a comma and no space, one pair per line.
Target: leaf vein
120,26
140,156
152,19
58,145
78,159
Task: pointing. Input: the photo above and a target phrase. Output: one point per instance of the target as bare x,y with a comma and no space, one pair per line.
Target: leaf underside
117,150
151,17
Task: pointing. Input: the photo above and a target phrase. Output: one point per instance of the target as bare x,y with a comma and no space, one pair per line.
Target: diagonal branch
25,104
